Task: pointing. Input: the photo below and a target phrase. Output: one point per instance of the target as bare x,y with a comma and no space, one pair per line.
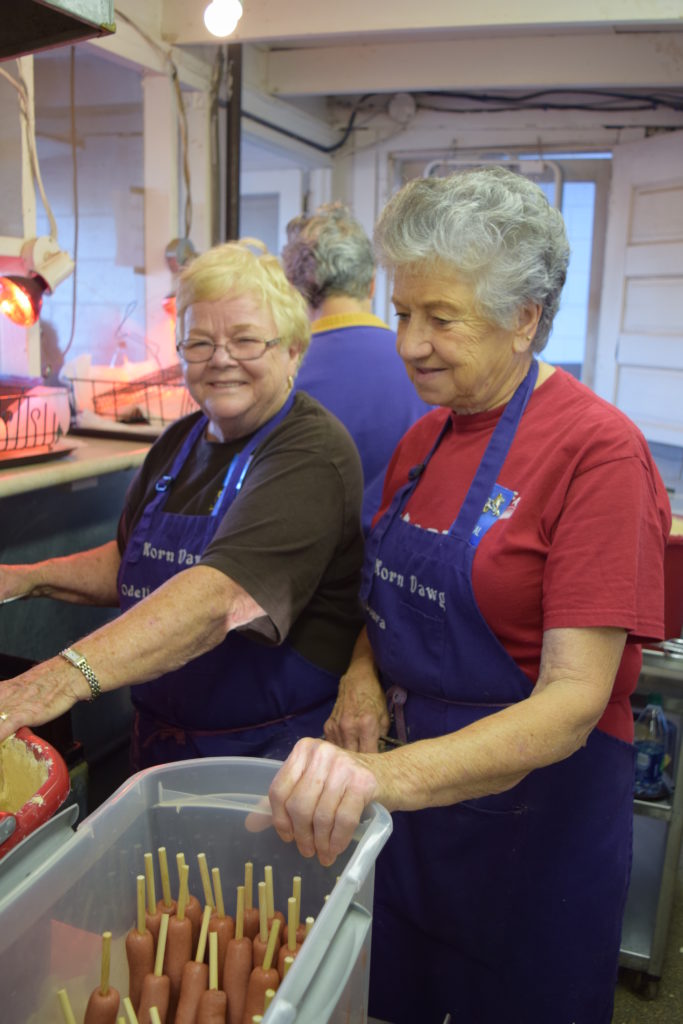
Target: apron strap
494,457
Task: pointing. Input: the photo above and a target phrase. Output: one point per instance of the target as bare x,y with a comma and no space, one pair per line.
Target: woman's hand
360,715
39,695
319,795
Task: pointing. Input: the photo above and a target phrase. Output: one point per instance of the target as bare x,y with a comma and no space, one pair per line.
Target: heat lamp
29,268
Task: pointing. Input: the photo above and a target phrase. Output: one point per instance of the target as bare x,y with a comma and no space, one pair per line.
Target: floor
630,1007
633,998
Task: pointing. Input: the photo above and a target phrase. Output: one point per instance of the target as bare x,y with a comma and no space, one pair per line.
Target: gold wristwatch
81,663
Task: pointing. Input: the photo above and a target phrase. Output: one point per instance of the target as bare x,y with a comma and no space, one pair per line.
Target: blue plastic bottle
650,740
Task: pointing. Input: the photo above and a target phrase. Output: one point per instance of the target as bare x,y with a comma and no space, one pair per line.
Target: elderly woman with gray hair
351,364
514,568
238,556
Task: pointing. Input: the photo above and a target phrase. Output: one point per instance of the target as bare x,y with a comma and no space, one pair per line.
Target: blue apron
243,697
505,908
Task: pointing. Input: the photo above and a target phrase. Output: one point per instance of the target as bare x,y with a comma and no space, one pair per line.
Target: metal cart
657,830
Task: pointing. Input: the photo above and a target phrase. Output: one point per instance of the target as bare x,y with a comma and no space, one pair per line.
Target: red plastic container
47,799
673,587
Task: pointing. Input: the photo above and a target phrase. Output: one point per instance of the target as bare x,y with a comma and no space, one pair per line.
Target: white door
639,358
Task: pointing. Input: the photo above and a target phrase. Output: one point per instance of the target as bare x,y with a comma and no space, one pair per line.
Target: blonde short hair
233,269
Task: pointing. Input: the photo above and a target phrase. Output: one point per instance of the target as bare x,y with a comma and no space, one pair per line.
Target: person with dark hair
511,574
351,366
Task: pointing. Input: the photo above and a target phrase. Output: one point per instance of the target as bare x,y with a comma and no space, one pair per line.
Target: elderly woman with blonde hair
238,554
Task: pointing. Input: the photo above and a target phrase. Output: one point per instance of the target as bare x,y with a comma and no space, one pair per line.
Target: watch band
81,663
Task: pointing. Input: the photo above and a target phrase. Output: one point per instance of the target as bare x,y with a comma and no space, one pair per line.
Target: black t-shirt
292,536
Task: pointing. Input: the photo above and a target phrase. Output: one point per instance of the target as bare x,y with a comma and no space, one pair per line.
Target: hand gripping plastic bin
59,890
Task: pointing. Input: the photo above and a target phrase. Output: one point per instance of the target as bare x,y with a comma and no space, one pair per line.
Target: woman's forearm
87,577
187,616
578,668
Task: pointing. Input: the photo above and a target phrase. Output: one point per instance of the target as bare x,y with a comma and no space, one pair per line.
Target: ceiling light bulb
221,16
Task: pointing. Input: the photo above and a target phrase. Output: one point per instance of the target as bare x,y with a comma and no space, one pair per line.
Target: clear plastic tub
62,890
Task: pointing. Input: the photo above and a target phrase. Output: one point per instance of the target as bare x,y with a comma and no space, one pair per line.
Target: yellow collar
337,320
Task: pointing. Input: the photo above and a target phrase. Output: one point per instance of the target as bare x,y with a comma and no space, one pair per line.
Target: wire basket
33,417
158,398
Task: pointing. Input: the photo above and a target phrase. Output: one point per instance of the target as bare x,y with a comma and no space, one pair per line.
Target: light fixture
35,265
221,17
21,299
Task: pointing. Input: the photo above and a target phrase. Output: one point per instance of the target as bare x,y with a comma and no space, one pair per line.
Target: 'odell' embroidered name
179,557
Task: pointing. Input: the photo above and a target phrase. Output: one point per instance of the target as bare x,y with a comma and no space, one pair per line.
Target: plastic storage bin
62,890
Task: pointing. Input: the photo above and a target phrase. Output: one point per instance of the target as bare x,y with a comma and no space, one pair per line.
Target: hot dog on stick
193,908
262,978
238,964
156,988
103,1005
139,948
292,947
213,1004
178,943
251,914
221,923
195,978
153,914
167,905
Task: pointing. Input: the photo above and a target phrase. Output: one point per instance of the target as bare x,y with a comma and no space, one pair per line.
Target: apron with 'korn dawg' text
506,908
242,697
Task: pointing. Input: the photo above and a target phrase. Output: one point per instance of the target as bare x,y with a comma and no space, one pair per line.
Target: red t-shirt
582,540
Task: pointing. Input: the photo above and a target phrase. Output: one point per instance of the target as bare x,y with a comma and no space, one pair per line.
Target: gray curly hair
328,253
495,228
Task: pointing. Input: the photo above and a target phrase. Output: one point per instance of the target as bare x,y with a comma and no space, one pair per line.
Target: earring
290,382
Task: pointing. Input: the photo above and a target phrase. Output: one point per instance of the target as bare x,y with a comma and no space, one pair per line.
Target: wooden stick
180,860
165,880
309,924
270,899
142,925
149,878
161,946
270,995
289,960
213,960
154,1017
206,880
106,963
292,924
67,1012
239,914
120,1020
184,893
248,885
296,893
263,912
270,948
218,890
132,1015
204,931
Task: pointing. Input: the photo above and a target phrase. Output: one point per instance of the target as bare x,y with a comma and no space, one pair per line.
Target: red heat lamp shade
21,298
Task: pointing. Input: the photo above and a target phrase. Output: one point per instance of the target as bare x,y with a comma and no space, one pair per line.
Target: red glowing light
21,299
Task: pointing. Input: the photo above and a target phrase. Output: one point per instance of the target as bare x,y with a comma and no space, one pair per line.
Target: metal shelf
657,831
